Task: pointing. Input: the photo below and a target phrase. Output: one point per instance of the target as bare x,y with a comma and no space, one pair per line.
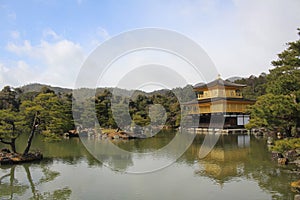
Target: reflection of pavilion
226,161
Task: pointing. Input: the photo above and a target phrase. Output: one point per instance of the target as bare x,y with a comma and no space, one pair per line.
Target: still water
239,167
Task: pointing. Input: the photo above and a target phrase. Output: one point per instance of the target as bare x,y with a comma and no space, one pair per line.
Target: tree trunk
12,144
34,126
289,131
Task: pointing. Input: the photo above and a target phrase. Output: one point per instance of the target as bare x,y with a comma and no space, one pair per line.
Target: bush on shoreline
286,145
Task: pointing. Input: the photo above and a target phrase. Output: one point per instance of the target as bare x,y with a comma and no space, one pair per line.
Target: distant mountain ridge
36,87
231,79
234,78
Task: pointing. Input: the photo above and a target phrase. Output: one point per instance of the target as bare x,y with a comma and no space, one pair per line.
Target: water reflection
15,186
236,158
243,140
9,186
141,155
226,160
238,166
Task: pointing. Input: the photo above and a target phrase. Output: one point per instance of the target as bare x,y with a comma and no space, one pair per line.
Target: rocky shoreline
8,158
291,158
107,134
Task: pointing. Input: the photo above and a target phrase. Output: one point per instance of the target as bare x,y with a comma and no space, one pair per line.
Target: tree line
277,107
55,112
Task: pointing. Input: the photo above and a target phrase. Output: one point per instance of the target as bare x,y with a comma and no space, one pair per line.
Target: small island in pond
9,133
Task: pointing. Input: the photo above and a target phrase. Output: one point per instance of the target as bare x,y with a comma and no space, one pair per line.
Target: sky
48,41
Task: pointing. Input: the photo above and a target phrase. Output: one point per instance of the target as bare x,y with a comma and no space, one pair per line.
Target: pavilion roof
218,81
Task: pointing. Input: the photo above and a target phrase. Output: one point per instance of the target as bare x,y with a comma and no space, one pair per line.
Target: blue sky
47,41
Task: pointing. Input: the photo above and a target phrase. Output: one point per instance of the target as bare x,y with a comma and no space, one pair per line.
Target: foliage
10,124
285,77
55,111
279,108
102,104
8,99
51,137
18,111
255,86
274,112
139,107
10,127
286,144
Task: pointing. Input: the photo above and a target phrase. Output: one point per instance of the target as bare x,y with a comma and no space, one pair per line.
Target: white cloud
245,38
17,74
63,60
24,48
55,63
242,37
264,27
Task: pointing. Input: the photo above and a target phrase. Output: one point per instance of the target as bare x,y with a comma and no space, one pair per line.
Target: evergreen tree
10,128
280,107
8,99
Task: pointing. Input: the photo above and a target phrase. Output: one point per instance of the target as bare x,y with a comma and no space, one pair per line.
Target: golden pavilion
219,104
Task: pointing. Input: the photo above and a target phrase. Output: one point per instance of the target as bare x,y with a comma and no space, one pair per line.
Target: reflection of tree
60,194
268,174
12,188
109,154
48,175
29,178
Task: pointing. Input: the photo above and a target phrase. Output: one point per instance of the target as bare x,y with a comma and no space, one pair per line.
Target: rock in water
282,161
276,155
297,197
296,187
291,154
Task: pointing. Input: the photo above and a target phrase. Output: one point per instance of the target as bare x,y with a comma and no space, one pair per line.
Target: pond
238,167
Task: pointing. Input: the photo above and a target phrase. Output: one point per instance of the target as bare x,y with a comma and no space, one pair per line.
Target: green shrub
286,144
50,137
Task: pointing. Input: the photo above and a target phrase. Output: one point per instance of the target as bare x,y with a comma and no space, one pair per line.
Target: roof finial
219,76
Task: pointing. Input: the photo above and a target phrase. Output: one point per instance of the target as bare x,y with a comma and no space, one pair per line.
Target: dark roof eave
217,99
224,98
220,82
